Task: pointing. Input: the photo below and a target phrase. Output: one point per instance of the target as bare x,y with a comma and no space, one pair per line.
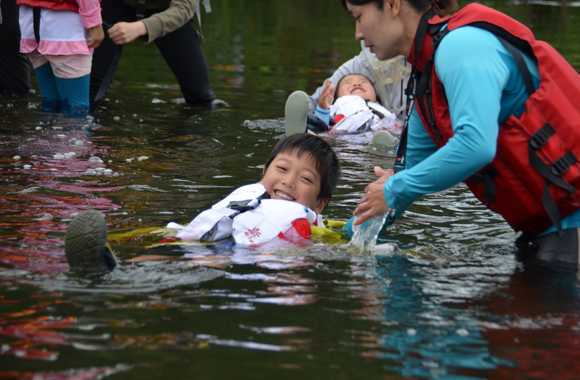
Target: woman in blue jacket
477,99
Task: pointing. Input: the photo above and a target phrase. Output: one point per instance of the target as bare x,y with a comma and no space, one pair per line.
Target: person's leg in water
72,77
560,250
86,244
46,82
14,66
106,57
296,112
182,51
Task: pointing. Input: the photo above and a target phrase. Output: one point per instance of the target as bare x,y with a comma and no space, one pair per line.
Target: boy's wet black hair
362,75
327,163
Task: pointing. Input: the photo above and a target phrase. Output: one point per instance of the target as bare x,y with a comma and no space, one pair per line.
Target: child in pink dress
59,37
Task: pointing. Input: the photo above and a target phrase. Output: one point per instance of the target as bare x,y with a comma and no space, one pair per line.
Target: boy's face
295,179
360,85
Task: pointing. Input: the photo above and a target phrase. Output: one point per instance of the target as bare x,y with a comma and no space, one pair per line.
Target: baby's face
295,179
360,85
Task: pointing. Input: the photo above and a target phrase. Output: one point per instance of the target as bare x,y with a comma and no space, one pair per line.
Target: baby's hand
327,95
97,36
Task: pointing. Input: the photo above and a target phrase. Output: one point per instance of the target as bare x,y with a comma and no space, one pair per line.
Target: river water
457,302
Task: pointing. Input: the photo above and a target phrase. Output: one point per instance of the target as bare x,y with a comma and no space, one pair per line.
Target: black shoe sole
86,245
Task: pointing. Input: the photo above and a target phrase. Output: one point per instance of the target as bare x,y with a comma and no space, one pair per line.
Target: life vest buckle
541,136
243,206
437,38
562,164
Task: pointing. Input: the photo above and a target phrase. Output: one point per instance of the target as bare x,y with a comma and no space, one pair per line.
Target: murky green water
455,304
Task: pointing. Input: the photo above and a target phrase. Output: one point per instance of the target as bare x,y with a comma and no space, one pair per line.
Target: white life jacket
354,114
250,218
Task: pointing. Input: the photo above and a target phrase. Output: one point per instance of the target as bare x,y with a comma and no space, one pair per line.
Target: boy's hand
124,32
326,96
373,203
97,36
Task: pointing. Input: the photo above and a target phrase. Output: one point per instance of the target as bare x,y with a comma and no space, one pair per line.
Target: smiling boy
298,180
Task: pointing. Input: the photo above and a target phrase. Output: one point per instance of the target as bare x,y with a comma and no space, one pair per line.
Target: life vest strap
424,97
246,205
487,177
541,136
36,23
562,164
519,58
551,173
378,113
422,29
140,10
558,167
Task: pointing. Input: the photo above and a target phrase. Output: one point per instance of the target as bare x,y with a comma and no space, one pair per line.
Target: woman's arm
157,25
174,17
474,75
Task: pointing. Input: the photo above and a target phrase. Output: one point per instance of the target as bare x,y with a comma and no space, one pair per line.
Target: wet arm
473,76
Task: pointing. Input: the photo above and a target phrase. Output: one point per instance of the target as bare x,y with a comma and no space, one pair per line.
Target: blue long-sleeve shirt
483,86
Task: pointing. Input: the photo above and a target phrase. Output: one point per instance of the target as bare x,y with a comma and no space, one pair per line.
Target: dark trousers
14,67
181,49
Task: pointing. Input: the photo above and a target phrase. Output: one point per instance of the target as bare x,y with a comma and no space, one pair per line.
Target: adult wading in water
491,106
168,23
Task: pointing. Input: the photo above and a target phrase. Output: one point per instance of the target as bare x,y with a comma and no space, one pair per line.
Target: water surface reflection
455,303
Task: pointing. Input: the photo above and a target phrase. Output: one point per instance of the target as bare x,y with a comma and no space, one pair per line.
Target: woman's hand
326,96
124,32
373,203
97,36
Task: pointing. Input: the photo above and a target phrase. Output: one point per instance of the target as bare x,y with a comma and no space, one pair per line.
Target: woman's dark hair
327,163
442,7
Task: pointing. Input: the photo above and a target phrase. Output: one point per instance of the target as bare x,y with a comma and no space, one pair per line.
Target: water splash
365,236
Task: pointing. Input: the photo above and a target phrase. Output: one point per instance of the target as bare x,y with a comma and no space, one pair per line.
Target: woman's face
381,30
